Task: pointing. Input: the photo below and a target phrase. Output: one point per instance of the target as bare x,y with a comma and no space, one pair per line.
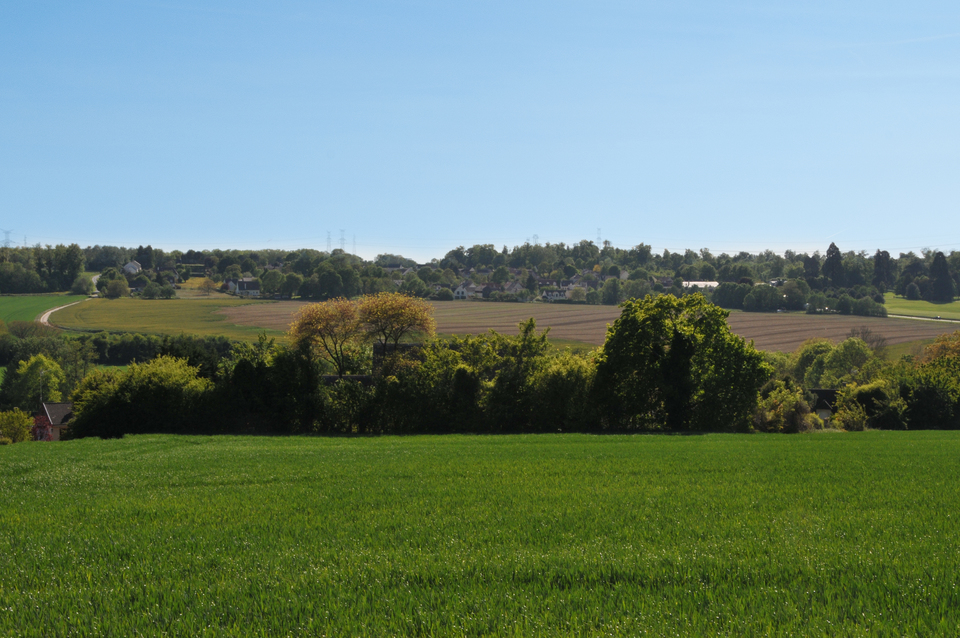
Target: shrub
151,291
15,426
785,409
116,288
163,395
82,285
561,394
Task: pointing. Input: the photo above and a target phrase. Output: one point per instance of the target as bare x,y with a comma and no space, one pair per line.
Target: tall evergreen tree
883,269
942,288
833,266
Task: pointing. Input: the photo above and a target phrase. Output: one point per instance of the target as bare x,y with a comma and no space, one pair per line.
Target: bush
15,426
116,288
561,394
82,285
163,395
151,291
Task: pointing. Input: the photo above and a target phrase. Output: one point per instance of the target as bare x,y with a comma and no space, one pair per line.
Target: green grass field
824,534
28,307
901,306
200,316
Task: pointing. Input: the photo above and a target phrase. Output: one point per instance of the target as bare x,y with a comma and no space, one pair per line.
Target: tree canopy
388,317
674,363
329,327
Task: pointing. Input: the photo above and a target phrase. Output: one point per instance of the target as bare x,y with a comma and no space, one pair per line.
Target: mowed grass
901,306
30,307
199,316
587,325
824,534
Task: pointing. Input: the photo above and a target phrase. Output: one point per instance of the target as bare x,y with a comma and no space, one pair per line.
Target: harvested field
588,324
785,331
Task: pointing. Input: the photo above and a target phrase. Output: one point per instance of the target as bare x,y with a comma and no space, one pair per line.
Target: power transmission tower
599,240
6,238
329,243
343,241
536,240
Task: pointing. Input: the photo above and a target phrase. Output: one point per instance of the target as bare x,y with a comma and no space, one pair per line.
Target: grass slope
160,316
827,534
901,306
29,307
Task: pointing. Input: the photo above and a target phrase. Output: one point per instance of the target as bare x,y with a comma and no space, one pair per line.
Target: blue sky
417,126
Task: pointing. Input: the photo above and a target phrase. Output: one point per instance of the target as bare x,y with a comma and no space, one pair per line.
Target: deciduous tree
330,328
674,363
387,317
37,379
271,281
15,425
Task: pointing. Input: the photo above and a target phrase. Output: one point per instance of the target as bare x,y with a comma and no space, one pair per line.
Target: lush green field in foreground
827,534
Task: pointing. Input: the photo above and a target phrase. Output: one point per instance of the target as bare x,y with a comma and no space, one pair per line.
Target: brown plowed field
588,324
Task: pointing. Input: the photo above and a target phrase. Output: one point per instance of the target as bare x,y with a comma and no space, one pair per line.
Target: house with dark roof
248,287
58,416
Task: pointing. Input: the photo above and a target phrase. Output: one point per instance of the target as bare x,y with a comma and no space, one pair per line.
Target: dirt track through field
588,324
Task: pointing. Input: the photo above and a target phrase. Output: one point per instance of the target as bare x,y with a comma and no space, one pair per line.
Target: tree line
373,366
845,282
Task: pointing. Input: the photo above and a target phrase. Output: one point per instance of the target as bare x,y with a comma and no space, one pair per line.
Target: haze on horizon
414,127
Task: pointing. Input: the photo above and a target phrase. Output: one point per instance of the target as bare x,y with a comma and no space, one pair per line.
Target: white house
466,290
132,267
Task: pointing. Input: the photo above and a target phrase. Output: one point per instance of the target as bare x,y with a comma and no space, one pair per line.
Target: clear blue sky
418,126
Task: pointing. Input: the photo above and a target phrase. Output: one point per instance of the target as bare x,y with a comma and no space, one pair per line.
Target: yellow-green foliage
15,425
561,392
871,405
820,364
784,409
39,377
158,396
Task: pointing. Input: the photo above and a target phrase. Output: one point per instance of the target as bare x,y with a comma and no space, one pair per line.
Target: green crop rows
825,534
